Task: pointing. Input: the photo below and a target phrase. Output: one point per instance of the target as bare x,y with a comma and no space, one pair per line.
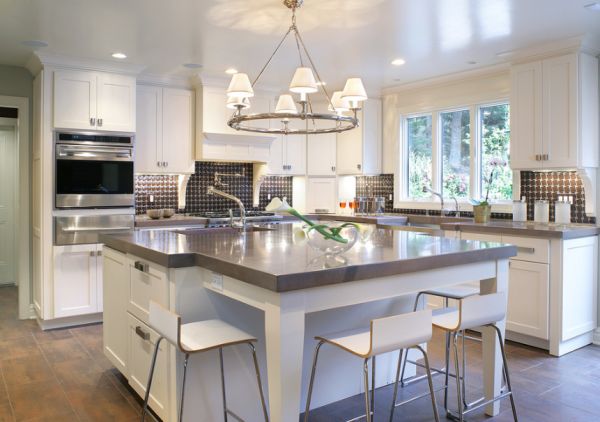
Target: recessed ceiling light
231,71
119,55
35,43
397,79
192,65
321,83
398,62
471,62
595,7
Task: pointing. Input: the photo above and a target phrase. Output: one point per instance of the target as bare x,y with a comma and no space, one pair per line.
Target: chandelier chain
272,55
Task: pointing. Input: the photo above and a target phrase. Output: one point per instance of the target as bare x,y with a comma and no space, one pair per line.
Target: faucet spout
427,189
242,222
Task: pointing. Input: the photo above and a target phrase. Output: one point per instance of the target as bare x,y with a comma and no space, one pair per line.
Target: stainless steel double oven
94,185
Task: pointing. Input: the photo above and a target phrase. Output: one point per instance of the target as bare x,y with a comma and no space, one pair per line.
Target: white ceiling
345,37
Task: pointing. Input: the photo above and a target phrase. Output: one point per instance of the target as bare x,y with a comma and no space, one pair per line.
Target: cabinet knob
92,121
332,168
92,253
99,122
140,266
358,166
537,157
158,164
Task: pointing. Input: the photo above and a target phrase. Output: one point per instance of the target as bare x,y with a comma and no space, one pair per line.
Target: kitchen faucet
242,222
427,189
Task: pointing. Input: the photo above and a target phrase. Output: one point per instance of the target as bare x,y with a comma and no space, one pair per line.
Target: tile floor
62,375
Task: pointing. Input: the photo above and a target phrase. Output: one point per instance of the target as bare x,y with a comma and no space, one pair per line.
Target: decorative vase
482,213
331,247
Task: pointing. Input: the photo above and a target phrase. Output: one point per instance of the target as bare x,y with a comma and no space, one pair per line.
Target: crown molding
448,78
41,59
580,43
173,81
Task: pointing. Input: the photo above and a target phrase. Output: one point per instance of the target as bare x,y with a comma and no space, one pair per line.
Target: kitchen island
284,293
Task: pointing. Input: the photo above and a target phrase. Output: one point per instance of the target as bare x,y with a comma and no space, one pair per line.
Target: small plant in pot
482,209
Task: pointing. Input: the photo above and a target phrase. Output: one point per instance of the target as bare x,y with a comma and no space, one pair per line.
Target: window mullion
436,153
475,149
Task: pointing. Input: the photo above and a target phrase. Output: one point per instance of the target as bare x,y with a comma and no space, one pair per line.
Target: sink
430,229
424,225
232,230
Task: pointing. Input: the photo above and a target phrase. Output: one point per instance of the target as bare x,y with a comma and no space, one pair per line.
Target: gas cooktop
236,213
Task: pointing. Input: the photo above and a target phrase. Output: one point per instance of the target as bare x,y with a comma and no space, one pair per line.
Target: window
495,138
418,130
450,151
456,153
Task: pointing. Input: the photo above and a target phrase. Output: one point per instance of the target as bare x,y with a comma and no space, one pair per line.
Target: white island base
285,324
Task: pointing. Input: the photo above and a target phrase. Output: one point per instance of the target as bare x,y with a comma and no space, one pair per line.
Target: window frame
475,150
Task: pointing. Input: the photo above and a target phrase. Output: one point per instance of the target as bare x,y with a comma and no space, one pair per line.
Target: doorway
15,220
9,159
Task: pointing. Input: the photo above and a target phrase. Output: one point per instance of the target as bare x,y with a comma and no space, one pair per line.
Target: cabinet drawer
142,340
529,248
480,236
148,282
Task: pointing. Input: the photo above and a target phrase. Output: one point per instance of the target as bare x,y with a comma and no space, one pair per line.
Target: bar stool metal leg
395,395
505,370
223,384
458,386
185,364
447,372
258,380
373,386
150,376
312,380
430,381
366,380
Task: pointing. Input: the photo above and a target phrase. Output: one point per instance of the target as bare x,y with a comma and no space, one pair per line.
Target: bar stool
458,292
197,337
387,334
475,311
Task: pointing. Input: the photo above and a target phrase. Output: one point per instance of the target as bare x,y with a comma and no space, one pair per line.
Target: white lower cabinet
77,280
528,298
321,194
142,341
130,283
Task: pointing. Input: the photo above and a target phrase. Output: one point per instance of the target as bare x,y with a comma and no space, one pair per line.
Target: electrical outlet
391,197
269,196
216,281
151,198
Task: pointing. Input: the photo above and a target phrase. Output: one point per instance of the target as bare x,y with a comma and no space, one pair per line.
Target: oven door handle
94,229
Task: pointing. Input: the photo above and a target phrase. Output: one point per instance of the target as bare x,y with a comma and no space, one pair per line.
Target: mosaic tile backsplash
382,185
164,189
548,186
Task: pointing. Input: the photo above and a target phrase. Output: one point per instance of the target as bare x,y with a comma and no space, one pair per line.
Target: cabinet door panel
148,139
275,163
349,150
116,102
321,194
178,130
148,282
321,154
528,299
75,283
295,154
560,111
526,115
74,100
116,291
142,341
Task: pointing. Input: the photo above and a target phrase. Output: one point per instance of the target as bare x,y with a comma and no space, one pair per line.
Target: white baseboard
52,324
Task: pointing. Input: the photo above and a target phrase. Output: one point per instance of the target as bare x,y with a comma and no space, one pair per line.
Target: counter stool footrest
415,398
454,417
232,414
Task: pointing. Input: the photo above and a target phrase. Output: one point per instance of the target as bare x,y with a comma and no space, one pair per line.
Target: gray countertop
176,220
270,259
529,228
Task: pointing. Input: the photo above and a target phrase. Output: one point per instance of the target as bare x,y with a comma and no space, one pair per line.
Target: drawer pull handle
143,334
523,249
140,266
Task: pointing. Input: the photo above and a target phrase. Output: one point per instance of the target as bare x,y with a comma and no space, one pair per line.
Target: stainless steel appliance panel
81,229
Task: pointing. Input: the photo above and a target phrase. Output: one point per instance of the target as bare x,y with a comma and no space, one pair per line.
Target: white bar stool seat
473,312
197,337
384,335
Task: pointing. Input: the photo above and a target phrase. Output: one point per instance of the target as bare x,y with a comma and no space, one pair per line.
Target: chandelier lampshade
338,104
354,90
240,86
303,81
286,104
236,103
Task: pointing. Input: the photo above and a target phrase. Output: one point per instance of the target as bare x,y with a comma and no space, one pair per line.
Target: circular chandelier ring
344,123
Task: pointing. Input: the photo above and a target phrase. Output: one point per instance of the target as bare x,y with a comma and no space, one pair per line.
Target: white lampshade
303,81
286,104
354,90
237,102
339,104
240,86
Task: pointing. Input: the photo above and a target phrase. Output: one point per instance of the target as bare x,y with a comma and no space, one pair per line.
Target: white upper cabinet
116,103
94,100
554,113
359,149
165,130
321,160
287,155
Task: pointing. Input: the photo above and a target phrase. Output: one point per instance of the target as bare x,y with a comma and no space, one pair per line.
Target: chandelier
294,121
